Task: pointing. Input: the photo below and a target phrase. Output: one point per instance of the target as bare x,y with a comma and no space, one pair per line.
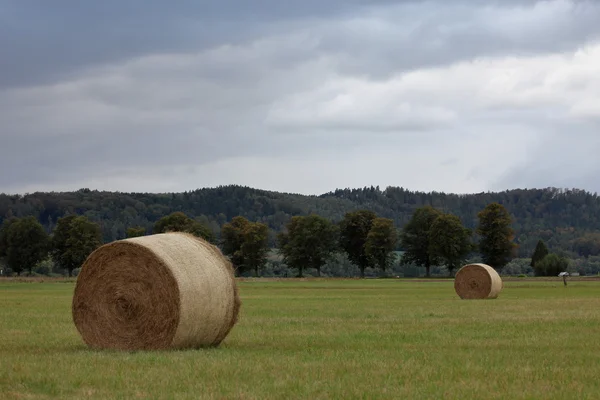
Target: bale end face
477,281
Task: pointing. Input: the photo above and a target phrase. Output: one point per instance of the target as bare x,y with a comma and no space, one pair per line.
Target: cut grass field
317,339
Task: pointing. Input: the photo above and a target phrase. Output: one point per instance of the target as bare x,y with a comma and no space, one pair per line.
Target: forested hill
557,216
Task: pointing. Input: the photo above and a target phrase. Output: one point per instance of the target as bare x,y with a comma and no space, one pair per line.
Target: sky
459,96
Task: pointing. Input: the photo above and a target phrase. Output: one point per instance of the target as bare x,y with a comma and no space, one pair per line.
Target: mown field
318,339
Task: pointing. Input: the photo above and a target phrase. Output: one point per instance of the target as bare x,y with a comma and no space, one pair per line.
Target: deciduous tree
26,244
587,245
255,247
496,236
136,231
245,243
415,238
4,235
180,222
551,265
354,229
381,242
309,242
232,239
73,240
449,241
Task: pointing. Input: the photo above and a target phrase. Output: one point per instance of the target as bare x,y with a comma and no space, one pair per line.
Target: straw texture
169,290
477,281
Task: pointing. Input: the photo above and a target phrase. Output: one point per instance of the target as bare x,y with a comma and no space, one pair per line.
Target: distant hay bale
163,291
477,281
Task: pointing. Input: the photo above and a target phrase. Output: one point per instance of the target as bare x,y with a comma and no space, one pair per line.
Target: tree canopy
415,238
308,242
179,222
245,243
449,241
381,243
73,240
354,230
496,235
25,244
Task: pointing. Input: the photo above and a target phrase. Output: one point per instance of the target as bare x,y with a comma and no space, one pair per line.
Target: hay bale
169,290
477,281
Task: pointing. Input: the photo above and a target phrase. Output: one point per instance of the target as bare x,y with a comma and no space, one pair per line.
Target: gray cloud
455,95
43,41
386,40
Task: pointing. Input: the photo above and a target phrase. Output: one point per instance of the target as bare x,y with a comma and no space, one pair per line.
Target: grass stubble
351,339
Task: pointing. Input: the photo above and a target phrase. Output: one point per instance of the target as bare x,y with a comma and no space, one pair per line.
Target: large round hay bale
169,290
477,281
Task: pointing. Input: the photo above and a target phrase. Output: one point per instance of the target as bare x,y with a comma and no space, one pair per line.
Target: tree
415,238
4,240
496,246
449,241
232,239
255,246
381,243
540,252
354,229
73,240
136,231
245,243
551,265
4,235
179,222
587,245
26,244
309,242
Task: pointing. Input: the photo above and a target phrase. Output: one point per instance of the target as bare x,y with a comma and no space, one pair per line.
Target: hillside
557,216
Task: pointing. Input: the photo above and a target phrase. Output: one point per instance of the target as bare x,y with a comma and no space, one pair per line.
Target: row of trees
24,242
567,220
430,238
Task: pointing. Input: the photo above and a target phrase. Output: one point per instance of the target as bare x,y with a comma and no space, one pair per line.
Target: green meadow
325,339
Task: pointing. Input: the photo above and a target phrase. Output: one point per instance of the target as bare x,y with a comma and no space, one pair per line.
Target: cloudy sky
448,95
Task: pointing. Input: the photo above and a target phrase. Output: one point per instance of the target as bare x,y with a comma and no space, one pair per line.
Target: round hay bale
163,291
477,281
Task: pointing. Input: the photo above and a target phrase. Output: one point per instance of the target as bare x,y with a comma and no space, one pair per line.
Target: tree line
430,238
566,220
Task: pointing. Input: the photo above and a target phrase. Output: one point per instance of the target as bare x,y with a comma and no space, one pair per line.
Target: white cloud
450,96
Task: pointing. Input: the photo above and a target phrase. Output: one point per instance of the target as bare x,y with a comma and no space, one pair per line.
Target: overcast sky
448,95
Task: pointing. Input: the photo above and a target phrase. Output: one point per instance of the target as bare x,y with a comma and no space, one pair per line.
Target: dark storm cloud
44,41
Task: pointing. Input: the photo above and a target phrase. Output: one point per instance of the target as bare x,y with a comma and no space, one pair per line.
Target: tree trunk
319,272
300,272
362,272
256,272
70,272
427,270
